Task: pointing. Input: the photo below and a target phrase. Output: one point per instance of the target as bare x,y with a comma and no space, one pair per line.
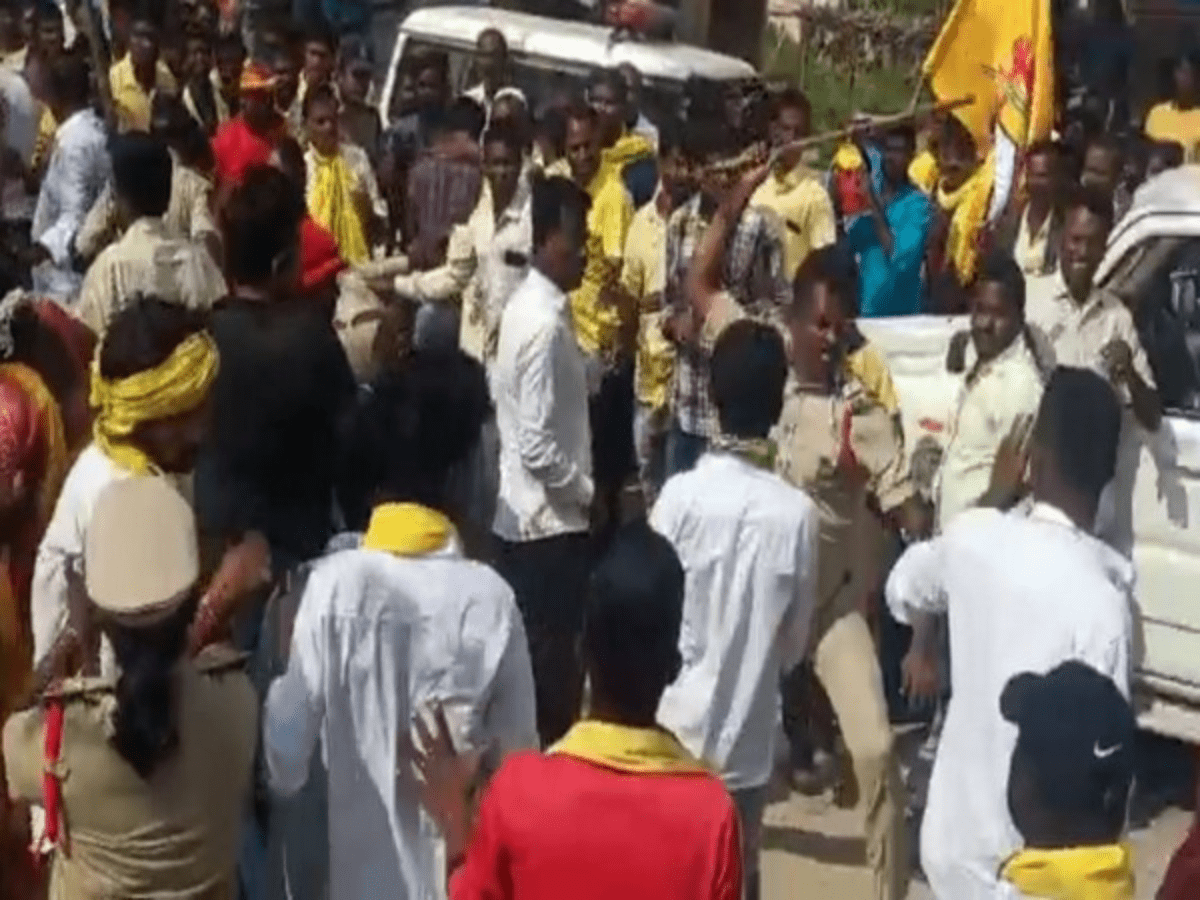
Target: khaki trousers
846,663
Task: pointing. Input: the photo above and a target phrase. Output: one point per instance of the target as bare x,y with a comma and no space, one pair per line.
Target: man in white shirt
1001,387
748,543
1025,590
148,259
486,260
78,170
402,622
539,385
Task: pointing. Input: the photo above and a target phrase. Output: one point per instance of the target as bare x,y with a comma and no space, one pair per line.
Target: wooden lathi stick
887,121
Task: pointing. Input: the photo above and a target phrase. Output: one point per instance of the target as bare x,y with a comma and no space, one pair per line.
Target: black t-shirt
270,459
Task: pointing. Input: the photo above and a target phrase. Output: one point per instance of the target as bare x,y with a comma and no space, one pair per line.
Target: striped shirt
443,190
754,276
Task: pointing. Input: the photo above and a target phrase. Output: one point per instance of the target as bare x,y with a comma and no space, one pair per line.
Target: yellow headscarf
331,203
176,386
968,208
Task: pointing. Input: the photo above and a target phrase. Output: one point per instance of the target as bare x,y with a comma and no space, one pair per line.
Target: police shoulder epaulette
78,688
220,658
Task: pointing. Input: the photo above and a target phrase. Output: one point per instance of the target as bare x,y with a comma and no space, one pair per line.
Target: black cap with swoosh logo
1077,732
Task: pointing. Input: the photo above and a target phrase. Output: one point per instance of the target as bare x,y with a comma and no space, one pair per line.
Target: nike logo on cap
1104,754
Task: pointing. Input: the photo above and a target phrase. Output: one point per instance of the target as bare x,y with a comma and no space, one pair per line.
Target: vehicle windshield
540,80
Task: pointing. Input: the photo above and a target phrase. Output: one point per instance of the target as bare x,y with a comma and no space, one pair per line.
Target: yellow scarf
867,366
176,386
923,171
331,203
1080,873
638,751
629,147
407,529
968,208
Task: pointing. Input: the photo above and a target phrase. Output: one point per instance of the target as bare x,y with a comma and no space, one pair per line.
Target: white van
546,53
1158,475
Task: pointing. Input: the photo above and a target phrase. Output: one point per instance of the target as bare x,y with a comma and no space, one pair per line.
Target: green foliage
836,93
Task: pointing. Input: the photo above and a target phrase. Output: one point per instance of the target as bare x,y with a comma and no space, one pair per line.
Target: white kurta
62,546
376,639
748,543
1025,592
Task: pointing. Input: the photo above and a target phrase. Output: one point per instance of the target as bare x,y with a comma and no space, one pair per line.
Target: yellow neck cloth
177,385
331,201
968,208
629,147
638,751
407,529
1080,873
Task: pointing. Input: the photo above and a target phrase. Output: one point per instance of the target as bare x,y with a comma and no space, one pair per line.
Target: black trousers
550,579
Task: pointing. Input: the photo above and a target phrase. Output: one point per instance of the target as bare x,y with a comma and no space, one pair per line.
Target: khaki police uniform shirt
809,443
148,260
174,835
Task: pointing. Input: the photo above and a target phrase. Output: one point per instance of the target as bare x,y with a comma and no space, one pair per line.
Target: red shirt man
618,808
249,138
609,812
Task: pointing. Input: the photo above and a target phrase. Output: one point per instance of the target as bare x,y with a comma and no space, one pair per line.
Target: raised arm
704,280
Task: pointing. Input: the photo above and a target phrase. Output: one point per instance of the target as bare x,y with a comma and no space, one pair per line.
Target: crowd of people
523,454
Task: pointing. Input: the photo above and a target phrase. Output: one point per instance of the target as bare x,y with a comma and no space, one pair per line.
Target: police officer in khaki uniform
839,439
153,767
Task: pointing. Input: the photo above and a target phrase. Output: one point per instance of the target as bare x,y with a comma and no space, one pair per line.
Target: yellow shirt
598,324
132,102
1167,122
643,274
803,205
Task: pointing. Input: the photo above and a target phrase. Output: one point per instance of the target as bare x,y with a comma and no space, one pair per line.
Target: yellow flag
1001,52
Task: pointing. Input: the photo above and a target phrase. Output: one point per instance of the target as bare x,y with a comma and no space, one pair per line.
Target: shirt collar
519,202
792,178
1044,512
547,289
1009,354
77,119
146,227
1096,299
1042,233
